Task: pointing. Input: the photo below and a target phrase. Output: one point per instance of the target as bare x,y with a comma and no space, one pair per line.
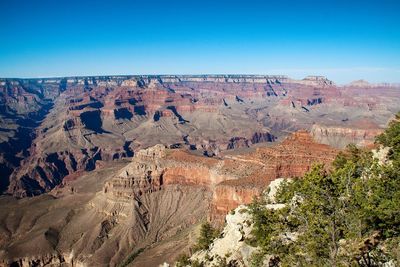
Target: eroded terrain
51,128
95,168
99,218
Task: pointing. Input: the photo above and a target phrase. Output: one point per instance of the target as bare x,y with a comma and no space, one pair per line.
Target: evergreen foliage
182,261
207,235
347,216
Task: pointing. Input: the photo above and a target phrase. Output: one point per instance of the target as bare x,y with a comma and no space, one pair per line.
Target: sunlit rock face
291,158
231,245
231,180
156,197
53,128
340,136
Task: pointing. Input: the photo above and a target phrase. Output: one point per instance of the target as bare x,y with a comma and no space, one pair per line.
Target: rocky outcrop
156,195
231,248
84,224
317,80
143,175
366,84
360,83
110,117
262,137
243,142
232,180
291,158
157,167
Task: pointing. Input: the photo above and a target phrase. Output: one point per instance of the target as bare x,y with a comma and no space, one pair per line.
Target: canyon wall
290,159
340,136
232,180
52,128
101,217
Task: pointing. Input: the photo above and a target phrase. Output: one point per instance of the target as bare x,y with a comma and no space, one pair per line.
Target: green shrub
347,216
183,260
196,263
241,211
207,235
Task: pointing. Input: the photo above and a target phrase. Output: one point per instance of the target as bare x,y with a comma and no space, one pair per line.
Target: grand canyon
95,168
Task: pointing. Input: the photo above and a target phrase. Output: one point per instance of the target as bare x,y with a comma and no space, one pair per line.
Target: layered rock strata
82,120
232,180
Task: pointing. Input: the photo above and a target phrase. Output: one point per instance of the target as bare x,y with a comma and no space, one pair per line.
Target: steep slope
111,117
83,226
291,158
23,104
101,217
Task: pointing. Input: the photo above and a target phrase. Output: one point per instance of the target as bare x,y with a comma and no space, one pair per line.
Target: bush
207,235
348,216
182,261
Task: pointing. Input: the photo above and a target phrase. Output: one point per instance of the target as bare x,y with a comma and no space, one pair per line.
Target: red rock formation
90,121
227,197
114,116
233,180
291,158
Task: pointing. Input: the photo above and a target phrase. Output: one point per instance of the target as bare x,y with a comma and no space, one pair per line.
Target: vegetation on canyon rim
207,234
347,216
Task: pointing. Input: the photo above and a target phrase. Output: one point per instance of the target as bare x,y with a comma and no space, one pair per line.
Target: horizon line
188,75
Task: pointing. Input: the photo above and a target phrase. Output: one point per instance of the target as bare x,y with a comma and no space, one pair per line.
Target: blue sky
344,40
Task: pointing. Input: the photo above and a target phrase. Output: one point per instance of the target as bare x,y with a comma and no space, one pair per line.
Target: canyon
126,206
52,128
93,169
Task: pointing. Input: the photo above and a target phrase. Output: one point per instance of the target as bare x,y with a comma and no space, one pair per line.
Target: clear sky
344,40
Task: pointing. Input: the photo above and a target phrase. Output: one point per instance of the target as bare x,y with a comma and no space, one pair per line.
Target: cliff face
103,216
231,246
227,197
232,180
339,136
22,107
291,158
95,207
84,224
66,125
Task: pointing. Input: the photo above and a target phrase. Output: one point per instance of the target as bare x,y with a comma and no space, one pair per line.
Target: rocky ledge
232,180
